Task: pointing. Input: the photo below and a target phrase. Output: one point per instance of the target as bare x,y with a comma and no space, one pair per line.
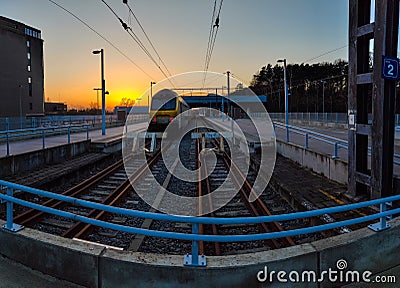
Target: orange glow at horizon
79,92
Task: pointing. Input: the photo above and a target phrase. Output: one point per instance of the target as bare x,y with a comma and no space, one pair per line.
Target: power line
137,40
147,37
102,37
212,37
326,53
210,34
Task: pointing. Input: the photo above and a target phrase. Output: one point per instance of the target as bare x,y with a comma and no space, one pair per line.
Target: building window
29,56
30,106
29,80
29,68
33,33
30,89
28,43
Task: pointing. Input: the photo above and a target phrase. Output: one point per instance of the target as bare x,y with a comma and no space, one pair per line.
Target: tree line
312,88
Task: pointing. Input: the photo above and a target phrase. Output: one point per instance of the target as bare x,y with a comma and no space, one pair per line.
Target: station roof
212,98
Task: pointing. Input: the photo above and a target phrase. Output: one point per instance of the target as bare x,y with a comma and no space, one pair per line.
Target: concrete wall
16,164
94,266
334,169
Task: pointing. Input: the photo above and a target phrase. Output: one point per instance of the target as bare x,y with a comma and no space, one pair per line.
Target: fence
13,135
51,126
195,259
322,117
50,121
336,143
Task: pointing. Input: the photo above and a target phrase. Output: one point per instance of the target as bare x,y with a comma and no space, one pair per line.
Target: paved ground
15,275
28,145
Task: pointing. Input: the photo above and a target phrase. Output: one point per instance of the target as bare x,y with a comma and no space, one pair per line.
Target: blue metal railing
337,143
9,199
14,135
14,123
320,117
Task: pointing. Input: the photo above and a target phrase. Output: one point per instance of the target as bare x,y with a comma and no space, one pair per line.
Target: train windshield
156,103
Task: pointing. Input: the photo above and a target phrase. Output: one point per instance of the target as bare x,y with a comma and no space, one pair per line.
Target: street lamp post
151,94
103,92
286,98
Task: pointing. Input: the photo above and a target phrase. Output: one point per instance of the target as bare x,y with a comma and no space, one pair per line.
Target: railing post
69,134
43,144
87,132
382,224
8,136
336,151
287,133
306,140
10,226
195,259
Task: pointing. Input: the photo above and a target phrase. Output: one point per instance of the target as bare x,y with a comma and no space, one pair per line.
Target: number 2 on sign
391,67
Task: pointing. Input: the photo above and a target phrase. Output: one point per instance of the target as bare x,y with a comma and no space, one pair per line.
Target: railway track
112,187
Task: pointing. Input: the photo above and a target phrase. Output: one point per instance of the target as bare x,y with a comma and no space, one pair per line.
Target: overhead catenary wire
147,37
215,20
210,34
215,28
102,37
133,35
326,53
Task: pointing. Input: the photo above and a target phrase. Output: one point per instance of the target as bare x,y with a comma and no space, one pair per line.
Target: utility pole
97,94
151,94
20,106
229,89
323,96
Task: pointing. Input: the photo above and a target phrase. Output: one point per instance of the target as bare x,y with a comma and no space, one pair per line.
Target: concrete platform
15,275
93,266
30,145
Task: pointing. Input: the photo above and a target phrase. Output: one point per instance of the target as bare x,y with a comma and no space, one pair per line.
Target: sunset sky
251,34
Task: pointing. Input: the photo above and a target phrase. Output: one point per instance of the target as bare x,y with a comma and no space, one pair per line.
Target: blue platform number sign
390,68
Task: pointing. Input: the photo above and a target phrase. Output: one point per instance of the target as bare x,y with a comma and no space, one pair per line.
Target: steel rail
82,230
202,167
33,216
258,208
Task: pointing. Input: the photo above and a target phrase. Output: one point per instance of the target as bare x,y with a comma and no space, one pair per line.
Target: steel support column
365,84
383,98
